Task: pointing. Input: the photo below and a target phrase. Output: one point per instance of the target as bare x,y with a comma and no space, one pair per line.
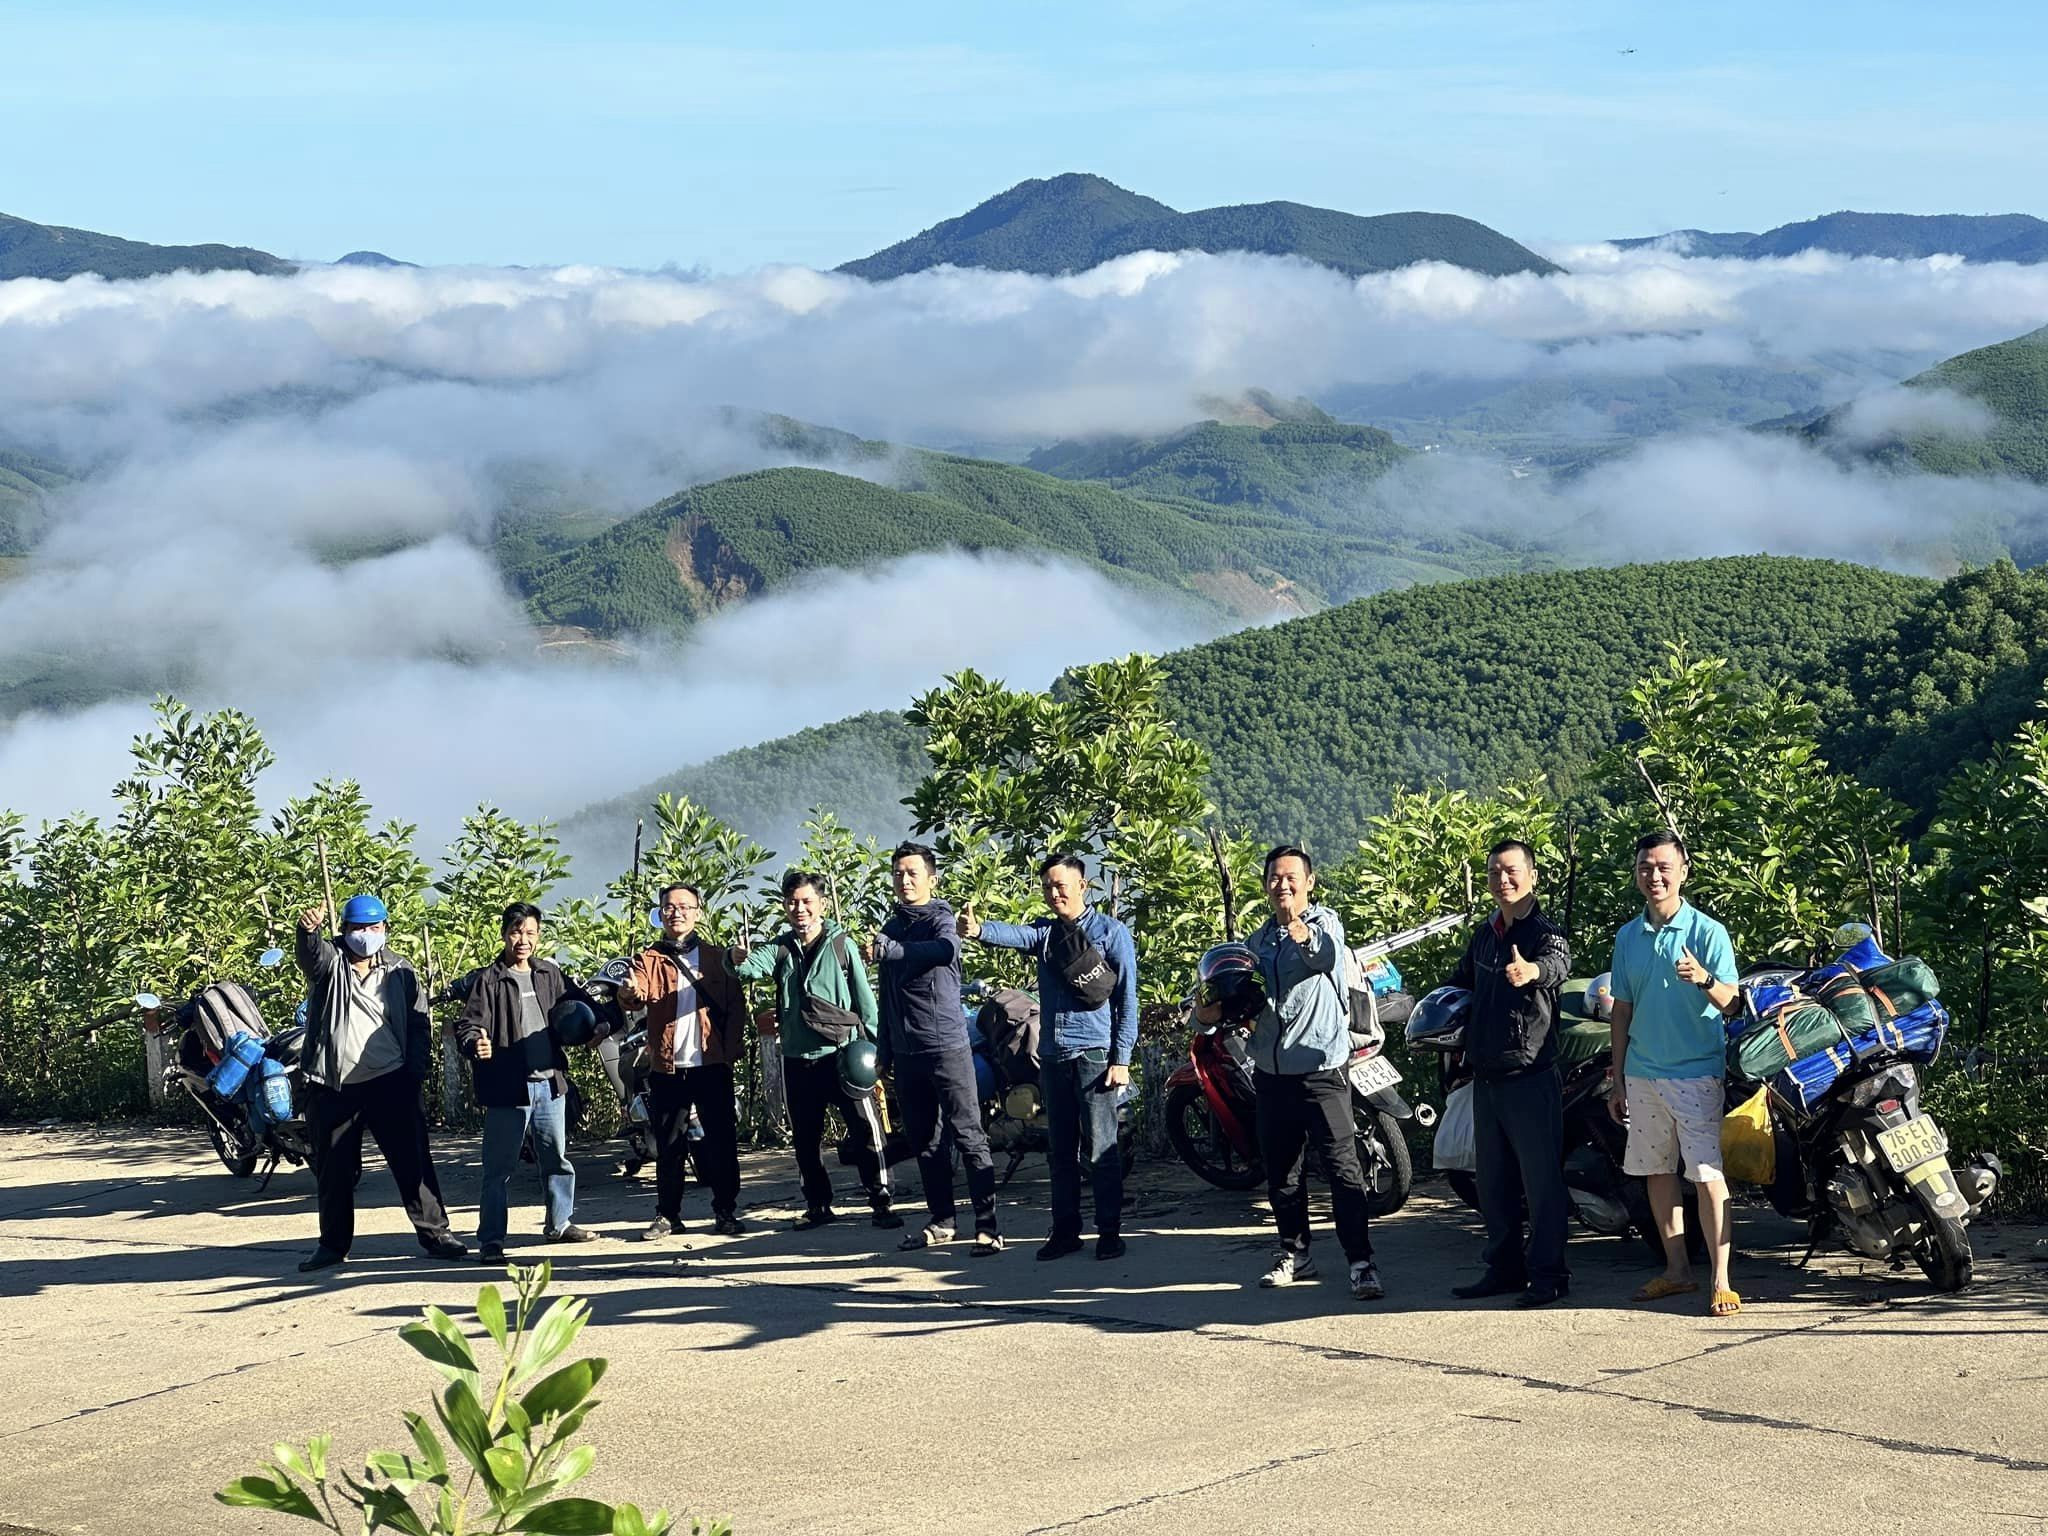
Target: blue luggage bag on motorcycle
243,1055
1915,1037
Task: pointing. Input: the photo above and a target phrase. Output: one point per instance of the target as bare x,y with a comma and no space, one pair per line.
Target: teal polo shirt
1676,1030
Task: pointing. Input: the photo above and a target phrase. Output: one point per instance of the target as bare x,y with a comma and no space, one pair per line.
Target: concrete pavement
156,1340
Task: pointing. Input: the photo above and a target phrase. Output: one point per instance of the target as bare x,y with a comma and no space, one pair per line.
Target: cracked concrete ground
157,1340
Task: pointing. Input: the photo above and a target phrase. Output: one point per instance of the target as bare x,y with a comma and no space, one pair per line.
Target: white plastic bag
1453,1147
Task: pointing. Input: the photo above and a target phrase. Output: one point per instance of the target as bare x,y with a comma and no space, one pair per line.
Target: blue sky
732,135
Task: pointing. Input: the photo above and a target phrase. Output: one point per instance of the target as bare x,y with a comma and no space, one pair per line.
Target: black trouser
393,1109
813,1086
1296,1112
1518,1139
1080,1126
940,1111
670,1096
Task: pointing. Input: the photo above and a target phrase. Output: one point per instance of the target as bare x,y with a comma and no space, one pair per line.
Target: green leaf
557,1330
463,1418
389,1507
564,1389
490,1311
290,1458
508,1467
280,1494
571,1517
429,1443
316,1452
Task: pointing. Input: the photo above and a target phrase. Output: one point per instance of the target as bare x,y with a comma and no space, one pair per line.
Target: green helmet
858,1068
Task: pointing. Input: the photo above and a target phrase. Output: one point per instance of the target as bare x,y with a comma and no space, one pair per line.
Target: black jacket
920,989
493,1010
1512,1029
324,963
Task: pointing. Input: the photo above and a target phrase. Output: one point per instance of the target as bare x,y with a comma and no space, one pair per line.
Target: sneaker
446,1246
1365,1281
659,1228
571,1234
1288,1267
321,1258
728,1225
1109,1246
884,1217
930,1235
1059,1245
986,1243
816,1216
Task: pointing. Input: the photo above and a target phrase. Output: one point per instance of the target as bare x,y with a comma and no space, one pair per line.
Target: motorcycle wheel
238,1157
1464,1184
1944,1254
1391,1175
1201,1144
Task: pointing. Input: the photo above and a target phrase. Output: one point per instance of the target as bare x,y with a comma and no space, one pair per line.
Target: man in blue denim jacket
1088,1000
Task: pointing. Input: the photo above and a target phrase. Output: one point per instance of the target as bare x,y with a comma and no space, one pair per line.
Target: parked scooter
247,1082
1002,1029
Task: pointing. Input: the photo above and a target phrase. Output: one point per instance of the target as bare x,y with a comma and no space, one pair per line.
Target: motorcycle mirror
148,1002
270,959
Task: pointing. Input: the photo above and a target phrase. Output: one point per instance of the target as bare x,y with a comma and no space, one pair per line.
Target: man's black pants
393,1110
1295,1113
1518,1140
1080,1130
941,1110
813,1086
670,1096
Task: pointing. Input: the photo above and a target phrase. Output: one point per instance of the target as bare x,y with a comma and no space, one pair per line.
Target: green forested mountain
50,250
1901,236
2012,379
24,479
1313,724
1693,242
1072,222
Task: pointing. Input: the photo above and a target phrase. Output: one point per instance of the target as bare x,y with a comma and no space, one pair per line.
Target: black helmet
1228,974
573,1021
1438,1022
858,1065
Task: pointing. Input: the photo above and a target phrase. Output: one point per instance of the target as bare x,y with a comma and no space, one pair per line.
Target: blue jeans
1080,1125
505,1127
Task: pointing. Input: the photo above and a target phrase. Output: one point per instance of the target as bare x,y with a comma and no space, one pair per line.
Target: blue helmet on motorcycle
1438,1022
1228,976
360,911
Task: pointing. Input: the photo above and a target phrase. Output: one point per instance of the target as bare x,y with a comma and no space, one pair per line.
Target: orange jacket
719,1002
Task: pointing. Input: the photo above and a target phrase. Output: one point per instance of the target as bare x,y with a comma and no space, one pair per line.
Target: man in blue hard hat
365,1055
521,1078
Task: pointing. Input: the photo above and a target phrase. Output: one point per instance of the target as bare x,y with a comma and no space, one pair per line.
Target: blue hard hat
359,910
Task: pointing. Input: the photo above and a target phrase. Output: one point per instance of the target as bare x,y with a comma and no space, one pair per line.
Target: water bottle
277,1091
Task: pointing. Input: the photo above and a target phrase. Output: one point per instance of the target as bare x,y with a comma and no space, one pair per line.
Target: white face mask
363,942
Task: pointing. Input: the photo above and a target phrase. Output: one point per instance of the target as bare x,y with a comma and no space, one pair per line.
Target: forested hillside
1314,724
2018,237
2012,379
50,250
1072,222
24,480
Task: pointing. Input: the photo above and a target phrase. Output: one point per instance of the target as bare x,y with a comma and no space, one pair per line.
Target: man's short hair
1064,861
661,896
795,880
1289,851
516,914
917,851
1664,837
1528,854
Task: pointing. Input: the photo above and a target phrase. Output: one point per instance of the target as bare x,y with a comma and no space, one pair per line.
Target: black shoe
1542,1294
1109,1246
1059,1245
490,1253
321,1258
816,1216
885,1218
727,1225
659,1228
1486,1285
571,1234
445,1246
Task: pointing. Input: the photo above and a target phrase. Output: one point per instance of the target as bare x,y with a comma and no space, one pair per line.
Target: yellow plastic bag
1749,1153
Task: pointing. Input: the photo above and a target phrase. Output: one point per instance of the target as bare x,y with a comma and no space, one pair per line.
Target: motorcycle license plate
1910,1145
1373,1074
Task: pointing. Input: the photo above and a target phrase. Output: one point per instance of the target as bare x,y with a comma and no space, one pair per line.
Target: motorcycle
1006,1063
1211,1114
247,1082
1864,1162
1604,1199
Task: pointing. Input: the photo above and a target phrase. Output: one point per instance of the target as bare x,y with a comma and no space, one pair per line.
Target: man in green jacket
822,1001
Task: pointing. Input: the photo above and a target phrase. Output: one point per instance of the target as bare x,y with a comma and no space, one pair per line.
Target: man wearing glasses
695,1015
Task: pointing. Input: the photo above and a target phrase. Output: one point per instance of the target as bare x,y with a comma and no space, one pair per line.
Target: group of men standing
368,1036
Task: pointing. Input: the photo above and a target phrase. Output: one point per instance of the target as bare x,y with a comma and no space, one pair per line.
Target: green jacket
838,977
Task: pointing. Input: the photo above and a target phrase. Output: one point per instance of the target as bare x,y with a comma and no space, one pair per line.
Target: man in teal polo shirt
1674,971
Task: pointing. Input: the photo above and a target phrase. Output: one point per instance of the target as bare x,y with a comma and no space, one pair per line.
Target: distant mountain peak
2018,237
371,259
28,249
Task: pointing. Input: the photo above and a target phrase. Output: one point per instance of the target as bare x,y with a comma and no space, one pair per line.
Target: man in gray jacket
1301,1047
365,1059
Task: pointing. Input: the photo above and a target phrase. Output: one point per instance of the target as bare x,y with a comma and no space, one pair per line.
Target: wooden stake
1229,889
327,880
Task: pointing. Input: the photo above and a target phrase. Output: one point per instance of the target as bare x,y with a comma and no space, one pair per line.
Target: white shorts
1674,1124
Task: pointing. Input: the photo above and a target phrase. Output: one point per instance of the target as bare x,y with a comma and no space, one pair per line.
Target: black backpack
1009,1023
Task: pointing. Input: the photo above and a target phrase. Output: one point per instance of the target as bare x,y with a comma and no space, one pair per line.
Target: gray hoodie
1305,1025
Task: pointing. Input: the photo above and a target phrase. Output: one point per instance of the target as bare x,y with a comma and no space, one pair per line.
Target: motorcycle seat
287,1047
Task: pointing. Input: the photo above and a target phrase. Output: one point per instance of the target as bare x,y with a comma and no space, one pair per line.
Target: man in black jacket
522,1080
1513,965
924,1040
365,1061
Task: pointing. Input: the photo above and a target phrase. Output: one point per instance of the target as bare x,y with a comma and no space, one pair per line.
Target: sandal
931,1235
1724,1304
1663,1286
